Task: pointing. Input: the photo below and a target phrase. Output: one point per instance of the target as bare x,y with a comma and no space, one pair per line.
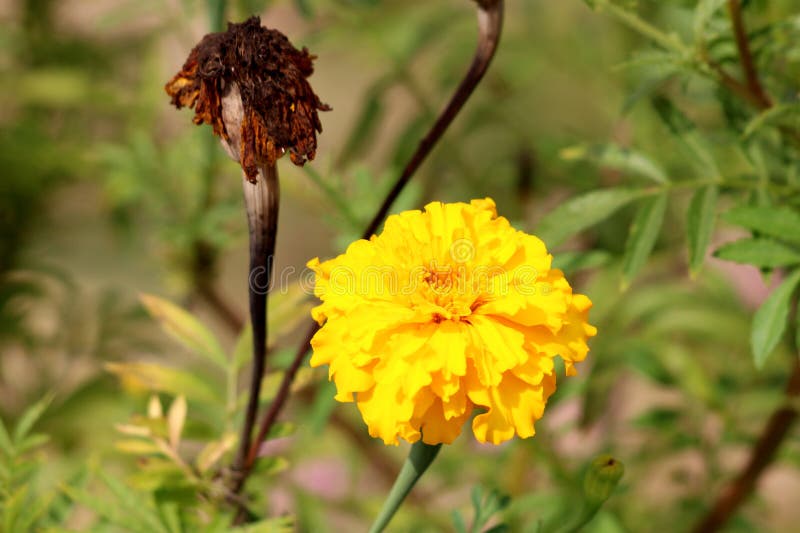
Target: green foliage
485,505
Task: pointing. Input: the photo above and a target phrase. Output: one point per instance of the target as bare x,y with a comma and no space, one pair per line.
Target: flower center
450,290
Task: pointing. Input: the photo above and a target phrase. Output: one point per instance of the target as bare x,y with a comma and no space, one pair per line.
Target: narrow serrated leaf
762,253
643,235
769,322
185,328
29,418
176,417
583,211
617,157
214,451
700,225
780,222
771,115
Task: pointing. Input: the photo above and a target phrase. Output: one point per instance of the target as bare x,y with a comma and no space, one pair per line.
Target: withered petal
280,107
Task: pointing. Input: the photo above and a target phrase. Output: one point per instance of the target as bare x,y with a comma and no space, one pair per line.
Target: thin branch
761,456
490,22
746,57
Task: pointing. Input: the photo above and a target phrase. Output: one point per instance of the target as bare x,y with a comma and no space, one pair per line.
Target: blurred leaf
29,418
769,322
643,235
700,225
5,440
154,408
775,221
243,350
283,524
138,447
176,416
171,517
280,430
363,133
616,157
323,406
686,132
770,116
763,253
657,418
150,376
702,15
214,451
572,262
305,8
185,328
271,465
582,212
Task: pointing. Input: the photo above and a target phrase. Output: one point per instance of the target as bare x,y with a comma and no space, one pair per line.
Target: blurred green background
107,192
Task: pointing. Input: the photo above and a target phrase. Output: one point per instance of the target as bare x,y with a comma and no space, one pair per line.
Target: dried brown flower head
278,107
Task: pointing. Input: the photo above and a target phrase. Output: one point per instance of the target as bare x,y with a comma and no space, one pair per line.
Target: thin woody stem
761,456
490,22
746,57
261,200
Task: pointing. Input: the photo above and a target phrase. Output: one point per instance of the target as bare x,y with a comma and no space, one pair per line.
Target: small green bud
602,478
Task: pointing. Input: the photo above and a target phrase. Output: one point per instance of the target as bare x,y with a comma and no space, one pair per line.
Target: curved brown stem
490,23
762,454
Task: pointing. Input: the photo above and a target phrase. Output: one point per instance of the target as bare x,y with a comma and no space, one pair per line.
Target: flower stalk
261,201
419,459
251,85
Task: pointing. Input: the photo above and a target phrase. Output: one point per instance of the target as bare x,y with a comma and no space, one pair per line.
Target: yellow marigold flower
446,311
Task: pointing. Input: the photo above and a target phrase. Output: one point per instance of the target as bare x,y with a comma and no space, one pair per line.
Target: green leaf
644,233
571,262
5,440
162,379
780,222
772,115
583,211
617,157
364,132
305,8
185,328
283,524
686,132
700,225
763,253
29,418
702,15
770,320
133,504
243,350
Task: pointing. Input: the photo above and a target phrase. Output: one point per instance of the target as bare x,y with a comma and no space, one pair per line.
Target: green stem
419,459
586,516
666,41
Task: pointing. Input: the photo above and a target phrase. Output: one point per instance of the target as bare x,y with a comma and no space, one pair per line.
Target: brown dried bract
279,106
